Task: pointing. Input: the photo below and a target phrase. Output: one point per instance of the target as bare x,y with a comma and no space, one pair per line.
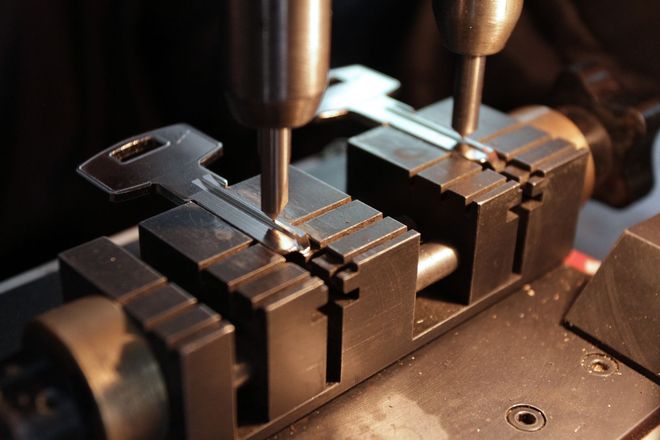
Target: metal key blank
170,161
363,91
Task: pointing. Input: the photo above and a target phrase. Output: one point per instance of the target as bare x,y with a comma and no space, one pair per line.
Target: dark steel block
183,324
374,273
187,239
360,241
308,196
205,364
281,332
293,344
491,121
252,292
100,266
220,280
196,351
159,304
449,171
507,226
341,221
284,335
381,162
619,308
450,199
511,143
474,215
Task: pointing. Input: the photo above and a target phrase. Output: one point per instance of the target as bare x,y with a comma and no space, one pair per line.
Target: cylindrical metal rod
275,150
436,261
468,85
102,347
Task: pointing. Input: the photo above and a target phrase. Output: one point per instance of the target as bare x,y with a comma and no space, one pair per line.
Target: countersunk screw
526,418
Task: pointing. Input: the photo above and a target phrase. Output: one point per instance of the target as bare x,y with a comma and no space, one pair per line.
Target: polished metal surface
275,151
468,86
436,261
97,340
279,60
473,29
476,27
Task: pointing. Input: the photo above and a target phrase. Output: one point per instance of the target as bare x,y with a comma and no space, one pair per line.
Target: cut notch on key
218,187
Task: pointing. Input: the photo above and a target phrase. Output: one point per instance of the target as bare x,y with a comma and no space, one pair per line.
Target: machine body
430,295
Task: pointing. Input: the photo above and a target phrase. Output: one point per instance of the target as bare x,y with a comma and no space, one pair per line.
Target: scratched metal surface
462,384
599,226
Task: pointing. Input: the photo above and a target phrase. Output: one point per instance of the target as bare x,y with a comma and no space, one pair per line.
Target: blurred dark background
79,75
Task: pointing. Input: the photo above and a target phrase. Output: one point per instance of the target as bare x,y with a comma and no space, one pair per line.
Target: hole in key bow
136,148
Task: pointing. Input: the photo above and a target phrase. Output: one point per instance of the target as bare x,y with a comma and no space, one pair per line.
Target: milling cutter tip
467,94
275,149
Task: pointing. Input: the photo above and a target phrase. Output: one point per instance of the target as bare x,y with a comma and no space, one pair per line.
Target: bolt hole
526,418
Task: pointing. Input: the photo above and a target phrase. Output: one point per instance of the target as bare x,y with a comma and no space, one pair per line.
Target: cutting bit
473,29
275,150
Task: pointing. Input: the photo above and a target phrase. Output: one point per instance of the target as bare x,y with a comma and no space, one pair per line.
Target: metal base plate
464,384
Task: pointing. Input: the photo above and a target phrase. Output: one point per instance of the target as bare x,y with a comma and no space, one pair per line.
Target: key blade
274,234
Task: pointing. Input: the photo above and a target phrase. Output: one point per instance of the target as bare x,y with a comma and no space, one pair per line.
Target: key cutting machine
429,298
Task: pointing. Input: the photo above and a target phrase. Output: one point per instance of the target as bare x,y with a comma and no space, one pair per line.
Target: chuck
279,60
